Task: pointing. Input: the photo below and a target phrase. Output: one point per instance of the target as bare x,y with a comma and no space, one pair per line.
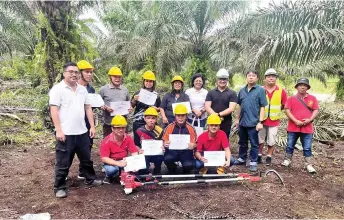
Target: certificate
120,108
187,105
147,97
152,147
179,141
135,163
215,158
95,100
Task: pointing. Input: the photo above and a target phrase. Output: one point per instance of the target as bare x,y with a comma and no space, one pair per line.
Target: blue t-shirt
250,103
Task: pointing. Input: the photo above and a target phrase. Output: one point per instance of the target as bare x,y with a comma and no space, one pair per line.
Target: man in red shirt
212,140
115,147
276,97
301,110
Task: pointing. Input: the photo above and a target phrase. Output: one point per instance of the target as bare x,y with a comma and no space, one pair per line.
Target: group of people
257,118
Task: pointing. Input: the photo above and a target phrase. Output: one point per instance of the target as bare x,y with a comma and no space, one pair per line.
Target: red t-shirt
109,147
219,142
299,111
268,121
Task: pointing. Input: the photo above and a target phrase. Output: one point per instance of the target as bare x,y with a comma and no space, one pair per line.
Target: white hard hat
271,71
222,73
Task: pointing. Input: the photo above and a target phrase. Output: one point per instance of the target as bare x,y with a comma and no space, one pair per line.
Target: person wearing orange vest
276,97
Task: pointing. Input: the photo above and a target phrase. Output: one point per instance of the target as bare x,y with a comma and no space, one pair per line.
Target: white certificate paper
147,97
215,158
120,108
95,100
199,130
135,163
179,141
187,105
152,147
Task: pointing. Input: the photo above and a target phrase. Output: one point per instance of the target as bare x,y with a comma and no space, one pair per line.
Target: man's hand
227,163
60,136
298,123
191,146
141,151
92,132
122,163
136,97
163,149
167,144
204,160
197,112
306,121
259,126
164,120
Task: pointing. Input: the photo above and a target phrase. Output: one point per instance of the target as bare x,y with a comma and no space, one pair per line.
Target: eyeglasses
72,72
224,79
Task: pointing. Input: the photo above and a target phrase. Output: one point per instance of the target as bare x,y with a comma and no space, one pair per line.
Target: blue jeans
157,160
199,164
245,134
306,141
201,121
111,171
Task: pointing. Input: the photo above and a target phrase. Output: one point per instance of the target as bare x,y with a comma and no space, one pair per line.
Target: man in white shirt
68,103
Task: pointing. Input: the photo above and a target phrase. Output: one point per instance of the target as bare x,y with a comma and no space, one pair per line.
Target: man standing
251,100
276,97
301,110
180,126
68,104
222,101
112,92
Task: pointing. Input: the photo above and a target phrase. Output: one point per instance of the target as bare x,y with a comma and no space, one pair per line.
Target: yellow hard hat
148,75
83,65
180,109
213,119
115,71
150,111
177,78
119,121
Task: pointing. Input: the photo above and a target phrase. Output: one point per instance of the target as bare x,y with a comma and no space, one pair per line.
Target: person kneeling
212,140
115,147
185,156
150,131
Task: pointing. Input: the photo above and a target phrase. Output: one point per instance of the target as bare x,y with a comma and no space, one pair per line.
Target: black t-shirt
220,100
140,108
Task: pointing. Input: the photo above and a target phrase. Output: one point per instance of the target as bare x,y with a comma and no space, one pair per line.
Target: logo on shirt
310,103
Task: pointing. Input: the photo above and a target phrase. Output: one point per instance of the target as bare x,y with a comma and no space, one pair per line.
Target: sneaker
310,169
268,161
260,159
203,170
107,180
61,193
239,162
81,177
94,183
286,163
253,168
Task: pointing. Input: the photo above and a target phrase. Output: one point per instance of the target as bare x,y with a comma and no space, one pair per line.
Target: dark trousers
226,126
79,144
157,160
245,134
184,156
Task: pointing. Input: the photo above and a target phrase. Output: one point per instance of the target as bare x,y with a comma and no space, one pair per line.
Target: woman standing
175,96
197,95
149,84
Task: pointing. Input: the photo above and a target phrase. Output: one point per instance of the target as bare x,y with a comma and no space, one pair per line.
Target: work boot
107,180
93,182
259,160
268,160
61,193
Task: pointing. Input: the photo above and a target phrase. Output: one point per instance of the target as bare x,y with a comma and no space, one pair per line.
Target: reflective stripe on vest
273,109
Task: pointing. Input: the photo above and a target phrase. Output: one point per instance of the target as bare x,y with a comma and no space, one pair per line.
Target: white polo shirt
197,100
71,107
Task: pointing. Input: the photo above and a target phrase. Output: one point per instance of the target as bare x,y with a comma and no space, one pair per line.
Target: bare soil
27,174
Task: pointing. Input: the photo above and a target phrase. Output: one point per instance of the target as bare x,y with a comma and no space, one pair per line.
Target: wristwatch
261,122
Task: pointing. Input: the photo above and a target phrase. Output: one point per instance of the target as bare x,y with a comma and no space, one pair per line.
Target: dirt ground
27,173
